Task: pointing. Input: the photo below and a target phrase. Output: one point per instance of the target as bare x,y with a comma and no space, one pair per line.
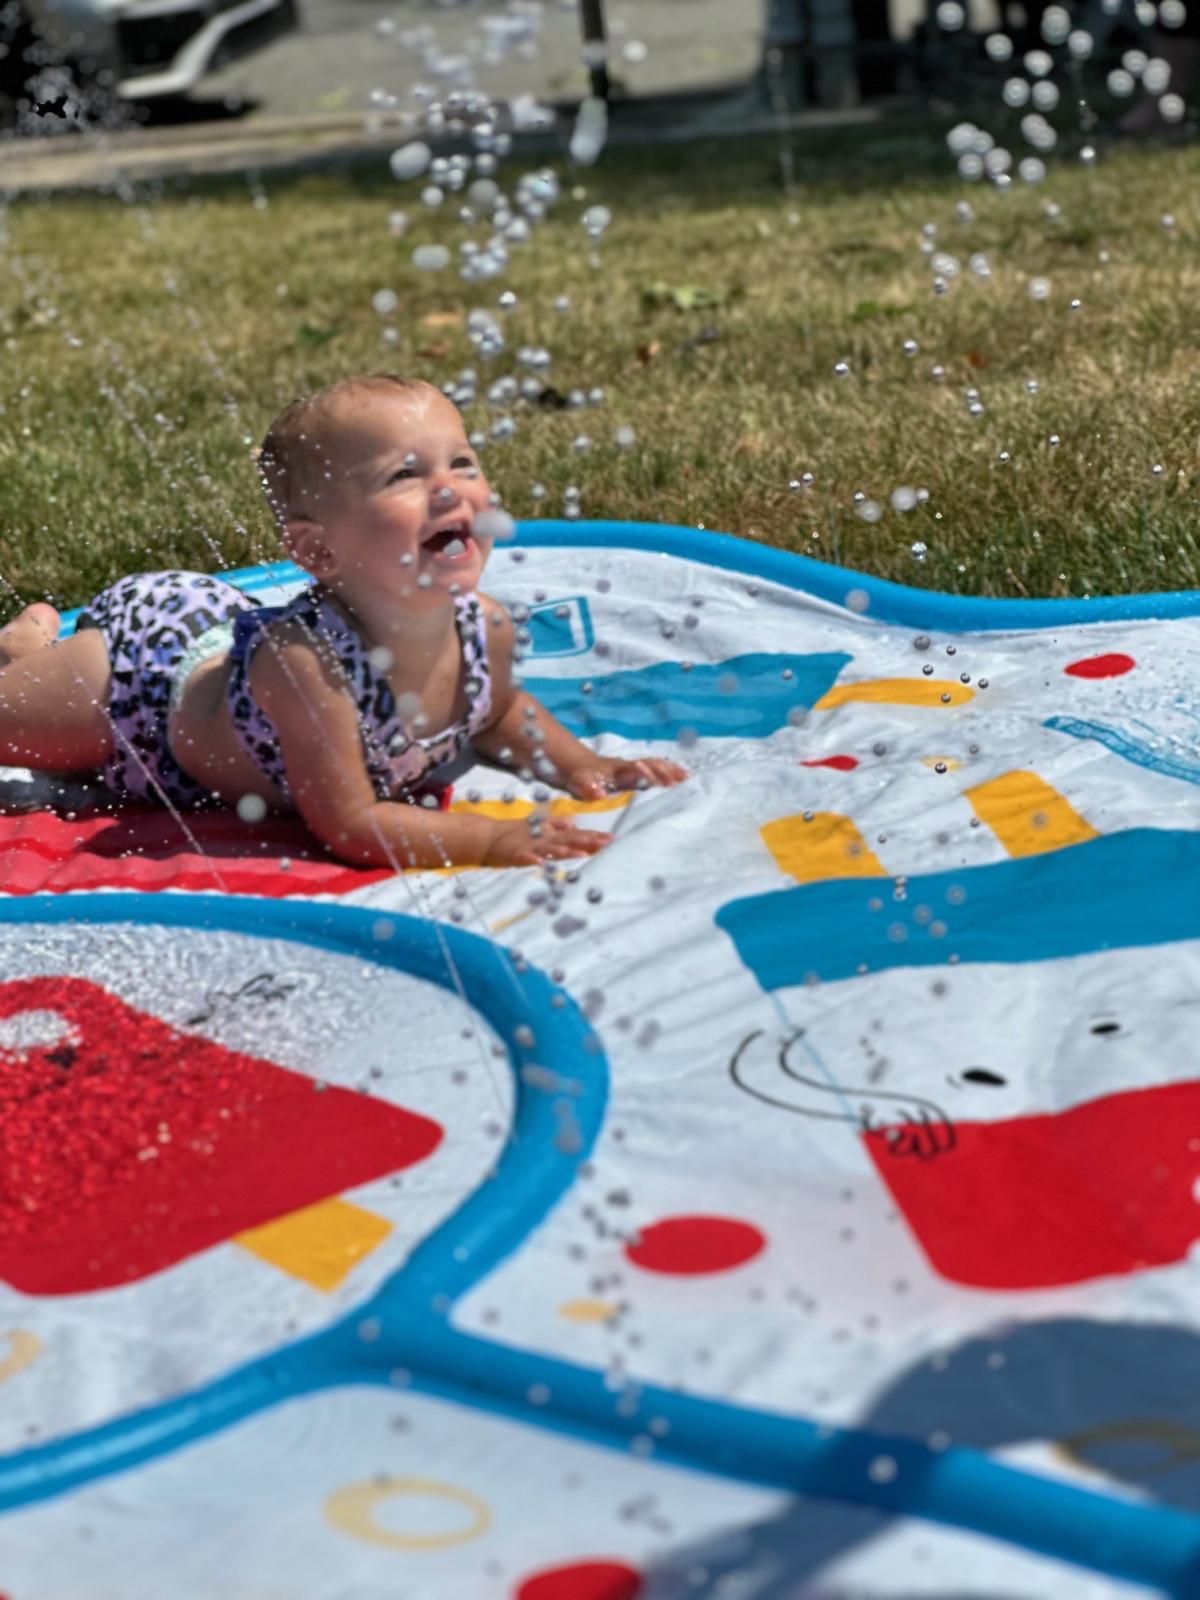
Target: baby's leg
53,699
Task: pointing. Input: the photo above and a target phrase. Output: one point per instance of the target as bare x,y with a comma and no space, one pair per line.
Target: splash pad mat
803,1187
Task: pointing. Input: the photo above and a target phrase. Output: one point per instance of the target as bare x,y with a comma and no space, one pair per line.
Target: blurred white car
139,50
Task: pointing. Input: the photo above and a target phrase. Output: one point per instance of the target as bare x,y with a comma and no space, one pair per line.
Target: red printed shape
583,1580
691,1246
838,763
145,848
126,1144
43,853
1110,666
1103,1189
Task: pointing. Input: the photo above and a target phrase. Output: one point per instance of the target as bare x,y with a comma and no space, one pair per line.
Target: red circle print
838,763
583,1580
690,1246
1111,666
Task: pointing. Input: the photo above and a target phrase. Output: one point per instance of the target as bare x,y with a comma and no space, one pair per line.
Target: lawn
148,342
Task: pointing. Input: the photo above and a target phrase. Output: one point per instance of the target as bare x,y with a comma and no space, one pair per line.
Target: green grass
147,344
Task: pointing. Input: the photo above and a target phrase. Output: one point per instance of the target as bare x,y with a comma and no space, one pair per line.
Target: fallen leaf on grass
848,247
647,352
976,358
434,352
309,333
1072,238
706,335
441,319
866,309
685,296
551,399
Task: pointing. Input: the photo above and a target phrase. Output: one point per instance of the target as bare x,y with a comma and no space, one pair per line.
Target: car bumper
185,37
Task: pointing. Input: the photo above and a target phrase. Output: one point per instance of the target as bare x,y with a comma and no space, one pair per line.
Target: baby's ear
305,541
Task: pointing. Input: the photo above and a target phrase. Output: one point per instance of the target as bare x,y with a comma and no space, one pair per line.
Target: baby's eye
403,472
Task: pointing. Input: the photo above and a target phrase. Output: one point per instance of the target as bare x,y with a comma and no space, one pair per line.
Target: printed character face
1033,1121
393,513
995,1040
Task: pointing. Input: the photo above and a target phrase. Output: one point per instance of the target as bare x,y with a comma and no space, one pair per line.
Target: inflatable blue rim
886,602
409,1317
1150,1544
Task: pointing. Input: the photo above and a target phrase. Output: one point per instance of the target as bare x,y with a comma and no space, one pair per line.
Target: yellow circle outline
351,1510
24,1349
587,1310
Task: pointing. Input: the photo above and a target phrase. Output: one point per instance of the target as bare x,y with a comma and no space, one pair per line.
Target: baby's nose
444,496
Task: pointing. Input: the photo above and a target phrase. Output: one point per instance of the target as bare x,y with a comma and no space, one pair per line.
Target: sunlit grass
148,344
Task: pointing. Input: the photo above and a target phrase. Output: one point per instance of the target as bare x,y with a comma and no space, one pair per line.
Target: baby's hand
526,843
603,775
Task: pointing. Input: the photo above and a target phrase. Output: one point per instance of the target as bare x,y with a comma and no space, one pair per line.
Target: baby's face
397,495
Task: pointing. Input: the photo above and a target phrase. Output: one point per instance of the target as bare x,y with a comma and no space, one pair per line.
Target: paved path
313,103
339,56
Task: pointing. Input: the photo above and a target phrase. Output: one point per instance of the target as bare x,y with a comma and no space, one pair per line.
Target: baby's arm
305,695
525,736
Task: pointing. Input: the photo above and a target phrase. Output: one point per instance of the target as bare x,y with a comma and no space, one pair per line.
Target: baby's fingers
653,770
562,838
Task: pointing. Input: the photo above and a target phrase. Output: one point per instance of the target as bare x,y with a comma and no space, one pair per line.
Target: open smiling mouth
452,543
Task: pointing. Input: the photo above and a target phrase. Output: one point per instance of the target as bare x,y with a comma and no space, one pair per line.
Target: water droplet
595,220
431,257
493,523
410,160
1015,93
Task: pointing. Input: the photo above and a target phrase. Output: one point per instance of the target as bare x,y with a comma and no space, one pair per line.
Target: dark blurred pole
877,56
591,17
809,54
786,70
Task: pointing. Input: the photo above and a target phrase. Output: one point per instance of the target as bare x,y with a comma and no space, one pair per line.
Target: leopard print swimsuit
151,624
398,762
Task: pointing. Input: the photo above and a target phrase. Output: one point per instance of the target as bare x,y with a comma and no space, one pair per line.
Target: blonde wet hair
297,449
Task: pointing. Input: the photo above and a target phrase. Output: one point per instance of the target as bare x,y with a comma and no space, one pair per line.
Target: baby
180,688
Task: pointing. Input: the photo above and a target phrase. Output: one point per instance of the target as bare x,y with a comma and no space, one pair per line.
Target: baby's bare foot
33,629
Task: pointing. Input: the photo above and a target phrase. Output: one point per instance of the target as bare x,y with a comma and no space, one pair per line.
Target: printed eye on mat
804,1183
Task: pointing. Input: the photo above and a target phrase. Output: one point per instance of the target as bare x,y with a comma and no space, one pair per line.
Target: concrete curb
324,140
